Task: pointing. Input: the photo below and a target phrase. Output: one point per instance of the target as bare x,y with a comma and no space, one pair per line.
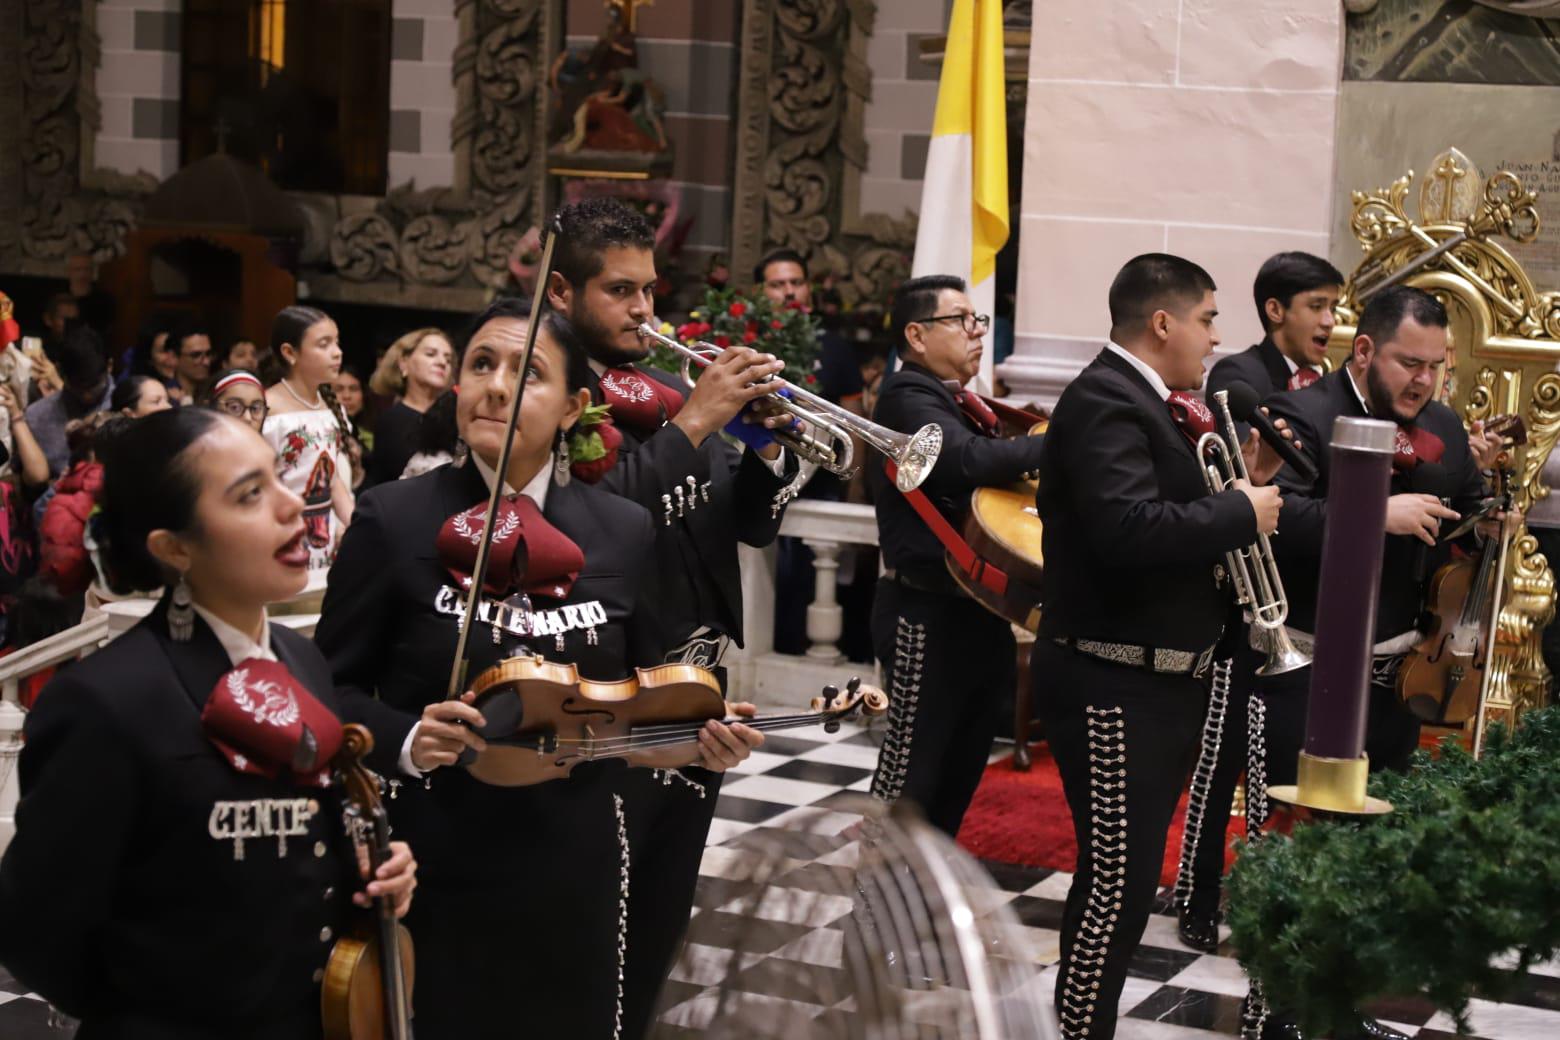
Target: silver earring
561,473
181,615
461,453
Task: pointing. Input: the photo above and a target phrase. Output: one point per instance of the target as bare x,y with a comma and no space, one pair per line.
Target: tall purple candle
1360,473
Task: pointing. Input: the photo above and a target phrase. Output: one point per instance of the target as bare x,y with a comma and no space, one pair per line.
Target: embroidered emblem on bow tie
470,528
627,385
269,702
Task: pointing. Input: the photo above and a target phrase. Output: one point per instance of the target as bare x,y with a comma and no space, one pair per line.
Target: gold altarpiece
1505,336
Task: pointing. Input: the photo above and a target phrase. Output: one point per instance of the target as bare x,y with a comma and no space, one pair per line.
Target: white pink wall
1203,128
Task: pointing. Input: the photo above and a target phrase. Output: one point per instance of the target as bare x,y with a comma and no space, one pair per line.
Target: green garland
1464,870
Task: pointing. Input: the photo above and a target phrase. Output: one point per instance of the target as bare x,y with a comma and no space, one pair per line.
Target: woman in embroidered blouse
524,891
312,452
178,870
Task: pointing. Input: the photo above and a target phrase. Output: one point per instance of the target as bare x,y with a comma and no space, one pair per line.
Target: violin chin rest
501,711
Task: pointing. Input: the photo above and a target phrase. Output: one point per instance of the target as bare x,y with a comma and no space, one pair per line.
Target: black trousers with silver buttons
1124,740
948,664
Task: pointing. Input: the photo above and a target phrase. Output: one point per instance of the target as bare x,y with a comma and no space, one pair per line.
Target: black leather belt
940,584
1152,659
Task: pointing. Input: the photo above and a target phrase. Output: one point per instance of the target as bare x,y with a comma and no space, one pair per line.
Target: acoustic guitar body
352,1001
1004,529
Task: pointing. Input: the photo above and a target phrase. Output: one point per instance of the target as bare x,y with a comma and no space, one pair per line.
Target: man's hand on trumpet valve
1265,502
722,389
1262,462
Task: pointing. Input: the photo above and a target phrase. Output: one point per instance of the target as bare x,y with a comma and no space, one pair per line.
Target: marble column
1204,128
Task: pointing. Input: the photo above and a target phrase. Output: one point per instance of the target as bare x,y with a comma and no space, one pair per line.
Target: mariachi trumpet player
1137,597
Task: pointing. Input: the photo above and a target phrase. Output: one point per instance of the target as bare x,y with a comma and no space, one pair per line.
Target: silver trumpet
826,440
1254,570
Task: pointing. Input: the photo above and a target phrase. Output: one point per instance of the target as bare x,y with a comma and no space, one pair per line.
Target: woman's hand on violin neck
722,746
394,880
445,730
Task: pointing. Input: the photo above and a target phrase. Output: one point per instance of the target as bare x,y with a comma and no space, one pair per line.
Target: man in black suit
1400,347
1295,296
1136,600
704,499
1399,350
947,661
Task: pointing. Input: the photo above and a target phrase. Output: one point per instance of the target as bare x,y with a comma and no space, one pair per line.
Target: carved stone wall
55,202
801,150
449,247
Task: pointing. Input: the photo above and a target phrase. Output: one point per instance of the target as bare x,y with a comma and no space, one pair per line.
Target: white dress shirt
1142,369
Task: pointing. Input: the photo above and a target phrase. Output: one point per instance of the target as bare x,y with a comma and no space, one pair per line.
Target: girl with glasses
238,393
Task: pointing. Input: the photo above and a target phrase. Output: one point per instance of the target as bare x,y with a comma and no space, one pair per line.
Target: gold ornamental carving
1505,351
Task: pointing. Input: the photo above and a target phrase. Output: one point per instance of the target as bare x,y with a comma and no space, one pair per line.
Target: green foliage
727,318
1464,870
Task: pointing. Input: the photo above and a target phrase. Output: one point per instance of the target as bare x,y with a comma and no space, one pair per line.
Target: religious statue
606,113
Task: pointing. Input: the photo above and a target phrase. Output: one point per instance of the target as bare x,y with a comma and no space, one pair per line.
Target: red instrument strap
987,574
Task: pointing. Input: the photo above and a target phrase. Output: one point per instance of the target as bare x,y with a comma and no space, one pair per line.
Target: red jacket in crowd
62,558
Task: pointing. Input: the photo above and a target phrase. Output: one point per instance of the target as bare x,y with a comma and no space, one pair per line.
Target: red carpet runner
1022,818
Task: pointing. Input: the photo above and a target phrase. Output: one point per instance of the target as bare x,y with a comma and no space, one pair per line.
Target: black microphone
1245,407
1427,478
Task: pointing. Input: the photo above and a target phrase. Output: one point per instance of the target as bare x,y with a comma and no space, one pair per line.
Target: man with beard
1399,350
1295,295
704,498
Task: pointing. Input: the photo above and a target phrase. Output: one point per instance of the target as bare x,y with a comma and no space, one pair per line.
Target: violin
363,997
543,719
1441,681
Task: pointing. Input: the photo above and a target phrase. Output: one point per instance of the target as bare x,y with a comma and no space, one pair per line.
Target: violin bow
462,662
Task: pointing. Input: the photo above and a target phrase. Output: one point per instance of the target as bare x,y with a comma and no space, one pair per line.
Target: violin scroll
839,705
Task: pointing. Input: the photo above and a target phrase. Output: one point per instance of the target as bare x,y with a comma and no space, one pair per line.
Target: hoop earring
181,613
561,474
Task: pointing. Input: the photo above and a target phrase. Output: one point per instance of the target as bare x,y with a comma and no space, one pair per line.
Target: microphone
1245,407
1427,478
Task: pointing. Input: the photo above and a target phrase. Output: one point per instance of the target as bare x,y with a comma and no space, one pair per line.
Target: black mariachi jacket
389,628
123,898
1134,544
1298,543
911,398
739,499
1262,367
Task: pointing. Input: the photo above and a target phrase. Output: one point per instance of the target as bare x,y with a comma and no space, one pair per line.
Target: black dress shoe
1370,1029
1197,932
1272,1027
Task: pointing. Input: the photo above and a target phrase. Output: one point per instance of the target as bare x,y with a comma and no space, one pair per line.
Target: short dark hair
1386,310
576,361
148,485
57,301
1154,282
127,392
776,256
1284,276
186,326
290,325
916,300
80,358
592,226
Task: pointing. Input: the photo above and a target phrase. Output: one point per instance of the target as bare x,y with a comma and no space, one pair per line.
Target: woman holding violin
524,897
180,868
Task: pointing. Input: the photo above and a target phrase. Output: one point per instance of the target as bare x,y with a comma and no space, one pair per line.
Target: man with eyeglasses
947,660
191,343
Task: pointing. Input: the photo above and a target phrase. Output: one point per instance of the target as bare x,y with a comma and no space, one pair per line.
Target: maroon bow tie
1190,415
1303,377
977,410
639,403
527,553
1414,445
266,722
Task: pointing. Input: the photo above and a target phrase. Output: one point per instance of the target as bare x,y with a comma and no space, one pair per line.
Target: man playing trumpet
1136,599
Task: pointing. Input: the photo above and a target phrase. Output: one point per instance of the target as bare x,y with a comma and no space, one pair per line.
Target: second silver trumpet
1254,569
826,437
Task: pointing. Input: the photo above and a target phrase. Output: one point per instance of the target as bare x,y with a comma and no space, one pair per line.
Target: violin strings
614,747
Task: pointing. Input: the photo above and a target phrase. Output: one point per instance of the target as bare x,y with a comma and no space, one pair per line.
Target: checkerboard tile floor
794,950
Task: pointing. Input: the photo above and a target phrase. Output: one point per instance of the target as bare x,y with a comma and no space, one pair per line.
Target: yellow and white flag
964,198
